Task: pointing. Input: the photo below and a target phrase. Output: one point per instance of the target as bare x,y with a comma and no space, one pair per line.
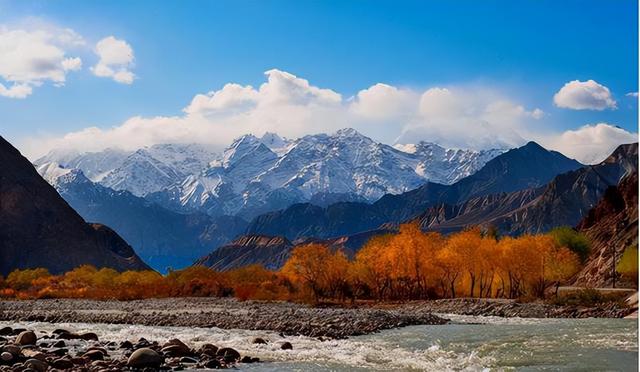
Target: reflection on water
467,344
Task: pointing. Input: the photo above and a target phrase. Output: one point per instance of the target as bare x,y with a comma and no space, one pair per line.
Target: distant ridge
526,167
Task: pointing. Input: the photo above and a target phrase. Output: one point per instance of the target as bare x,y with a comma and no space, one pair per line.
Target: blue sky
523,51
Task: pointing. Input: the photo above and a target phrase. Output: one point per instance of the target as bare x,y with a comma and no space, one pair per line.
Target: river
466,344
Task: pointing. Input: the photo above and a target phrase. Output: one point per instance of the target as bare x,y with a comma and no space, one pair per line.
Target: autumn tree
373,267
23,279
317,267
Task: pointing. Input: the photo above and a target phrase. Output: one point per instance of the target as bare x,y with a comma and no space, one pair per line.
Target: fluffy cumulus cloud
584,95
455,116
115,60
590,144
469,117
34,56
382,102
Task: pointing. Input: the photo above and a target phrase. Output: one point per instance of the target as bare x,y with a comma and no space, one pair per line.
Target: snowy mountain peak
255,175
273,141
57,175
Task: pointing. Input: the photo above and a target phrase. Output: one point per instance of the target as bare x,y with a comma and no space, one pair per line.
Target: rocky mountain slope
611,224
564,201
273,251
518,169
257,175
163,238
39,229
270,252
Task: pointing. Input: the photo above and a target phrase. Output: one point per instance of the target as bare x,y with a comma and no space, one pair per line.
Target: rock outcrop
611,225
39,229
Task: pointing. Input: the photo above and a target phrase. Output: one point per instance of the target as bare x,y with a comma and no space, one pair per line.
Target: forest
409,265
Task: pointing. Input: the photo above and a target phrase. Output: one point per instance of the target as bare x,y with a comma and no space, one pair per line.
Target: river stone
259,340
94,355
6,357
209,350
62,364
126,345
59,351
13,349
59,343
36,364
286,346
145,357
26,338
228,354
188,360
175,348
89,336
213,364
6,331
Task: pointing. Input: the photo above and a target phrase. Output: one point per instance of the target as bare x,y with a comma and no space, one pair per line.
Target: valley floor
284,317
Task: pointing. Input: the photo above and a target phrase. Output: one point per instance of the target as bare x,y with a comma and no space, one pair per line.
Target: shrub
628,264
568,237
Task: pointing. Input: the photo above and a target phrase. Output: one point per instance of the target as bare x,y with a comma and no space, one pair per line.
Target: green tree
628,264
568,237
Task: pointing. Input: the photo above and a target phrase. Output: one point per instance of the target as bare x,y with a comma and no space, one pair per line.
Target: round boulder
6,357
62,364
259,340
145,357
228,354
26,338
286,346
36,364
89,336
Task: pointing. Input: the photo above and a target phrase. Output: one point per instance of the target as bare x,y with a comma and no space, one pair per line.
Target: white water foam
358,352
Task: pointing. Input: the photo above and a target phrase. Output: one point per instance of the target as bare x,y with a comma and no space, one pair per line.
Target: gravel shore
226,313
283,317
511,308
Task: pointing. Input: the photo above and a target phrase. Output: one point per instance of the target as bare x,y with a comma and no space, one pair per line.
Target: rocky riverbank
511,308
39,351
226,313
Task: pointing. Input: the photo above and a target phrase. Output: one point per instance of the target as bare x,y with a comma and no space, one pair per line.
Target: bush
23,279
589,297
568,237
628,264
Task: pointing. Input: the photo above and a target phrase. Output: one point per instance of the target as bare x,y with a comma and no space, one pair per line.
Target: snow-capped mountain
259,174
140,172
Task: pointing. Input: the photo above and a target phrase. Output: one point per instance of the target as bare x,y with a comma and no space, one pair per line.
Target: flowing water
466,344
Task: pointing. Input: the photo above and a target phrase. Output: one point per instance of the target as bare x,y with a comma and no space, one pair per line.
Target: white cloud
584,95
116,60
455,116
589,144
230,97
632,94
31,57
468,117
382,102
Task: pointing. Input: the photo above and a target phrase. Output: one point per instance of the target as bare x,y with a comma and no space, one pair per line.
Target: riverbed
469,343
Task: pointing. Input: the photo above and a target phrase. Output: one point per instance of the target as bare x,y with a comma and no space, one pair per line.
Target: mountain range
519,169
164,238
39,229
603,196
257,175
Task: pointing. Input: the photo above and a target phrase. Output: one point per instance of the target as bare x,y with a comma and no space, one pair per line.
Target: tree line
408,265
